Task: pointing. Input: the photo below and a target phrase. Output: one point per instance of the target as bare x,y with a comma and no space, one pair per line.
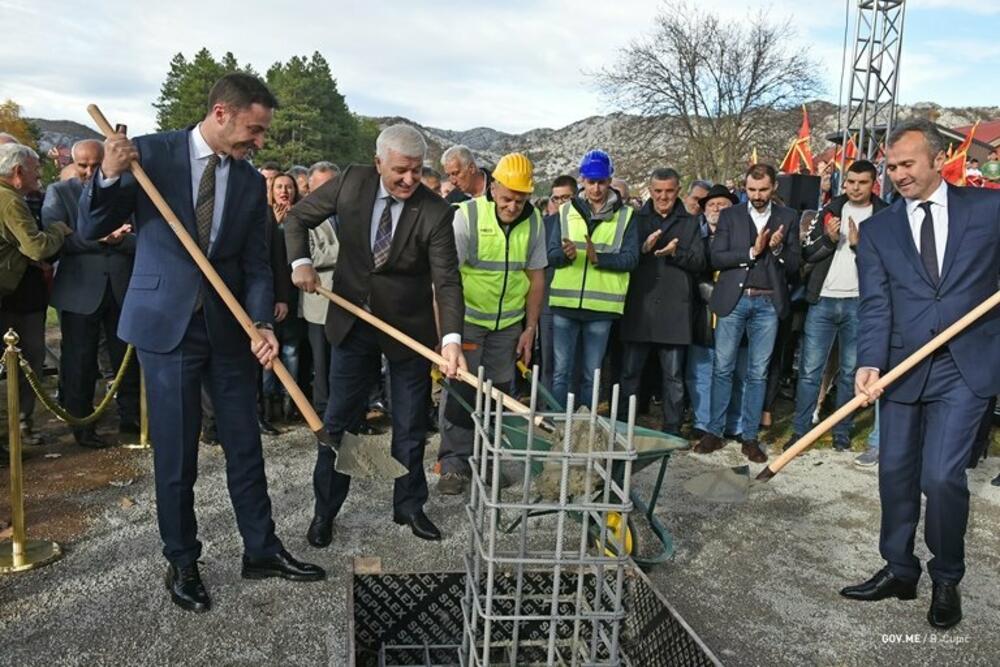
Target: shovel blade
360,458
721,485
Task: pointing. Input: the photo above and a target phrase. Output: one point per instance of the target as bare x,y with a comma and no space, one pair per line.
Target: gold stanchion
19,554
143,417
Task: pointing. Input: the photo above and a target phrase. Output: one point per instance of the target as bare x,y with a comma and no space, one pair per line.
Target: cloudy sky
511,65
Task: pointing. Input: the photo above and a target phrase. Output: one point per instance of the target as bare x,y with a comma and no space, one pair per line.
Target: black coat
734,236
660,301
422,264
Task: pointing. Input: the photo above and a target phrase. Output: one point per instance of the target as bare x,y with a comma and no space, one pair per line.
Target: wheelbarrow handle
509,402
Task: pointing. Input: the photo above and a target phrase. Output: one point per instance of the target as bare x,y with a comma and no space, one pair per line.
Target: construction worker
502,257
593,252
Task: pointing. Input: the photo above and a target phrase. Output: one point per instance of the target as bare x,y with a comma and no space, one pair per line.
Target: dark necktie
203,209
383,235
928,248
205,204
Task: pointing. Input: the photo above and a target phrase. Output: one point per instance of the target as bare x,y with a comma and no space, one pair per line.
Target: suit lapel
369,190
404,228
234,190
957,223
904,237
181,164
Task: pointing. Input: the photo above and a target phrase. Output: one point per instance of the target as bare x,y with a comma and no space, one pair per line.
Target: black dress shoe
320,532
367,428
281,565
996,481
128,428
266,427
883,585
421,526
946,606
186,589
91,440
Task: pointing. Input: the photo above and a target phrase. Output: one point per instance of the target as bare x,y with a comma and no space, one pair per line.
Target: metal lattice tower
871,101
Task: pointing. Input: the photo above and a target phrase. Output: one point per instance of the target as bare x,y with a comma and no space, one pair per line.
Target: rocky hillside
636,143
61,133
639,144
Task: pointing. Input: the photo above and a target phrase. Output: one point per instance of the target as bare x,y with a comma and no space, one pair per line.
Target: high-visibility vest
580,285
494,281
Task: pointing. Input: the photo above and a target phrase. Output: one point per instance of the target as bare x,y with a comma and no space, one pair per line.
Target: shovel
509,402
733,484
353,457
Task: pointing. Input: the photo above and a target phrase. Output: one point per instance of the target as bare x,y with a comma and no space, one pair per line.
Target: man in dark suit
924,262
755,248
182,329
397,256
658,308
88,290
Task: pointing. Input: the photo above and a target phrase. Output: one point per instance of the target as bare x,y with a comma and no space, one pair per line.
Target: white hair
14,155
460,153
402,139
82,142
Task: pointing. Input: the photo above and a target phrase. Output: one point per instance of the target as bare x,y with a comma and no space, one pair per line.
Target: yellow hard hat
515,171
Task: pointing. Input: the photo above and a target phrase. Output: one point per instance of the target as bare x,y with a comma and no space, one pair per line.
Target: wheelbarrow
652,447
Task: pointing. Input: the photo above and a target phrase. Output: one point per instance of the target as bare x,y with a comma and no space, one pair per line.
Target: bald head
8,139
87,156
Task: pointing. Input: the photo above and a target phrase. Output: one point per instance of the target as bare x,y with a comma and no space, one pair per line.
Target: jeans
828,319
290,358
566,334
755,316
700,360
874,435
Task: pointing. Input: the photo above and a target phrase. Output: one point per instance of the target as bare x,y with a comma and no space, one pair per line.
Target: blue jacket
901,309
165,280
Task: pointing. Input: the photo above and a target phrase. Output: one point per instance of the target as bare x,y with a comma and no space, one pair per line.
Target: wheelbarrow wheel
622,532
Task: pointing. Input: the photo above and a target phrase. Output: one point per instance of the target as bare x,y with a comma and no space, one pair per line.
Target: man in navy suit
924,262
182,329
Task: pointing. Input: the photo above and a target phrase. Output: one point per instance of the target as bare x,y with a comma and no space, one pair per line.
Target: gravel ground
757,580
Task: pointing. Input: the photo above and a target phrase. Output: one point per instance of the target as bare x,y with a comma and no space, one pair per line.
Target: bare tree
716,83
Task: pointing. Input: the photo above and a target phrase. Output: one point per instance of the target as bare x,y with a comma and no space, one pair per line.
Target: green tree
17,126
313,122
184,94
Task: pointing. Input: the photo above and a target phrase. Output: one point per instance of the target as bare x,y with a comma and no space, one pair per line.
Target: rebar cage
552,595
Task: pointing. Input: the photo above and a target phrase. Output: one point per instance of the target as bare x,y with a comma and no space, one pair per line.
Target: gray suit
85,267
89,286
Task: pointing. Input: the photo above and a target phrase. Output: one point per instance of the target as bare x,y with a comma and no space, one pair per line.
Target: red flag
848,156
799,154
953,170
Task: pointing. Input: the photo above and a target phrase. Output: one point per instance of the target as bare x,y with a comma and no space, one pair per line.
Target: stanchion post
19,554
143,416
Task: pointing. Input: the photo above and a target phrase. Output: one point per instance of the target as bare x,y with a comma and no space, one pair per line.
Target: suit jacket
658,308
165,280
85,267
734,236
901,309
422,264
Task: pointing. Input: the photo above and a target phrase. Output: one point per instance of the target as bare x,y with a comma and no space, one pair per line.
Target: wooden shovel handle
509,402
928,349
301,402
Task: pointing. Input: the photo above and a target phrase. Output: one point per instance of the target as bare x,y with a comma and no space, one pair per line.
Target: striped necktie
203,210
383,235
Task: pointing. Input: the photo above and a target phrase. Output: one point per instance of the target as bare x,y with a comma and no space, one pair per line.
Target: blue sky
512,66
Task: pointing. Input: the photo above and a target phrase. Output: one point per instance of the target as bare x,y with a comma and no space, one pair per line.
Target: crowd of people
707,301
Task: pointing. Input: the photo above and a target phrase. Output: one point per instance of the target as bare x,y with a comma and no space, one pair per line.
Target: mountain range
636,143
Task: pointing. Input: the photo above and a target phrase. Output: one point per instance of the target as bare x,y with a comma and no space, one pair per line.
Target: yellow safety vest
494,281
581,285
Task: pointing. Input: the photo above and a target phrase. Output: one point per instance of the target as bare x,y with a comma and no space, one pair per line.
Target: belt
753,291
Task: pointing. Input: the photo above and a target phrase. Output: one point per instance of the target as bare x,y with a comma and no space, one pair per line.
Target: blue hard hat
596,165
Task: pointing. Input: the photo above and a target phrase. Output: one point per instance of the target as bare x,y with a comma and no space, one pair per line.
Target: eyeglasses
558,199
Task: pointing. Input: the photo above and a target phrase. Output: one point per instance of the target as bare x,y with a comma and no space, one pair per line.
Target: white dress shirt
198,152
939,210
759,220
